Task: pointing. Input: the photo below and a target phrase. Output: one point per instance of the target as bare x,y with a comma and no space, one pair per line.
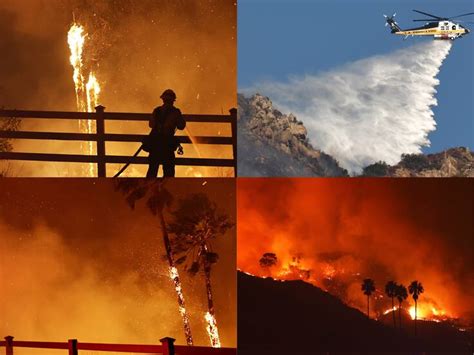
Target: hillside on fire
360,264
284,317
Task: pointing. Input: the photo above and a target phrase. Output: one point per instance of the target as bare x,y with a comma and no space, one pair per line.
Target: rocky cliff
271,143
274,144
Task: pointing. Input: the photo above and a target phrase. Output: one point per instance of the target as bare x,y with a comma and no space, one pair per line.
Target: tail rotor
390,21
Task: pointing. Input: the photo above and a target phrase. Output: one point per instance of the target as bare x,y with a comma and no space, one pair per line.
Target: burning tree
415,289
157,198
390,291
196,223
268,260
401,294
368,286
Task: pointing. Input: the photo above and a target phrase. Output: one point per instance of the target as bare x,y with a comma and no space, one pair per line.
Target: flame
427,311
87,94
76,39
174,276
93,91
390,310
212,330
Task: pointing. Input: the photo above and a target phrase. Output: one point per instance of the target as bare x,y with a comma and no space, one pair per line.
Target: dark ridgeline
294,317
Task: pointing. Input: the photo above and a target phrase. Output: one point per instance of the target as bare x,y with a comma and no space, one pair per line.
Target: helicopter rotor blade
470,13
424,13
426,20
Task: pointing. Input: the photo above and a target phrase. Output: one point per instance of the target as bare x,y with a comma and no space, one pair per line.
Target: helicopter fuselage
437,29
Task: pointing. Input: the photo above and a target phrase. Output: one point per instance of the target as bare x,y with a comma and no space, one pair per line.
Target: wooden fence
73,346
100,138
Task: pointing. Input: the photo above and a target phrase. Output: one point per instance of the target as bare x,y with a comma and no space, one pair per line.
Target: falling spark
212,330
87,94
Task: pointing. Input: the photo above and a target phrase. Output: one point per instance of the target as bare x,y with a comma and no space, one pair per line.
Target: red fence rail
100,138
73,346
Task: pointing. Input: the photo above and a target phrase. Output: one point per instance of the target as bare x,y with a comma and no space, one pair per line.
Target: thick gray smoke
374,109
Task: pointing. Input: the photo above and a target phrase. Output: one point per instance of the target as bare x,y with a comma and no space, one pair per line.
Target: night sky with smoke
347,230
77,262
137,48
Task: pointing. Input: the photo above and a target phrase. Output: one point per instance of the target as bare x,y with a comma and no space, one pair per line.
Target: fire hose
179,151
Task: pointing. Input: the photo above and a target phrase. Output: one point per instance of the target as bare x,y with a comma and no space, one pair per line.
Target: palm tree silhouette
196,224
415,289
157,198
368,286
390,290
401,294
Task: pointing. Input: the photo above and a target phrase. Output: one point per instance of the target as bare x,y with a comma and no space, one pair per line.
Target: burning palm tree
415,289
390,291
401,294
157,198
196,224
368,286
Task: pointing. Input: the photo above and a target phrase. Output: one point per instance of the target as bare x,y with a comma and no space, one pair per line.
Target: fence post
233,116
168,346
100,126
9,345
72,346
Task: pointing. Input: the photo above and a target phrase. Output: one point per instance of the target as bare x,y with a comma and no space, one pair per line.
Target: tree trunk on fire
212,322
176,280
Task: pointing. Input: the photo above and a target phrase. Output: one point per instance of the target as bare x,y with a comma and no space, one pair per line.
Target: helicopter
438,27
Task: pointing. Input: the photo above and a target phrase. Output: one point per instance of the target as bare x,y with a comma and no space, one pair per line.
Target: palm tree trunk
415,315
211,316
368,316
400,315
393,313
174,275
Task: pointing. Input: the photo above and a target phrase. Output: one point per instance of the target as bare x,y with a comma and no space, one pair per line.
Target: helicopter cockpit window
446,23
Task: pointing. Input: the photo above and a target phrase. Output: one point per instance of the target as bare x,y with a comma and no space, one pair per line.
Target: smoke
98,273
375,109
343,231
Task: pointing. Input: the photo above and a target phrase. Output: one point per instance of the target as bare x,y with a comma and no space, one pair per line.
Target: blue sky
282,38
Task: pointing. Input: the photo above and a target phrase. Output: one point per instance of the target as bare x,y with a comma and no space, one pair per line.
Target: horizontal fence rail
100,138
73,346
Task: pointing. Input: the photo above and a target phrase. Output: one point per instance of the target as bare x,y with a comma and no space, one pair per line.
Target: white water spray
374,109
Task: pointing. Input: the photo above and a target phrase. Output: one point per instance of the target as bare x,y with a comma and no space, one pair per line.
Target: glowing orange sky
401,229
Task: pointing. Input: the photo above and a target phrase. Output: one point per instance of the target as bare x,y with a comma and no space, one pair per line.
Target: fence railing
101,159
73,346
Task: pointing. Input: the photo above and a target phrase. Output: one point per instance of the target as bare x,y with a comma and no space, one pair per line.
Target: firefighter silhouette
162,143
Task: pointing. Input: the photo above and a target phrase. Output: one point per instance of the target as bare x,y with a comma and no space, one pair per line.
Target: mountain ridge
275,144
